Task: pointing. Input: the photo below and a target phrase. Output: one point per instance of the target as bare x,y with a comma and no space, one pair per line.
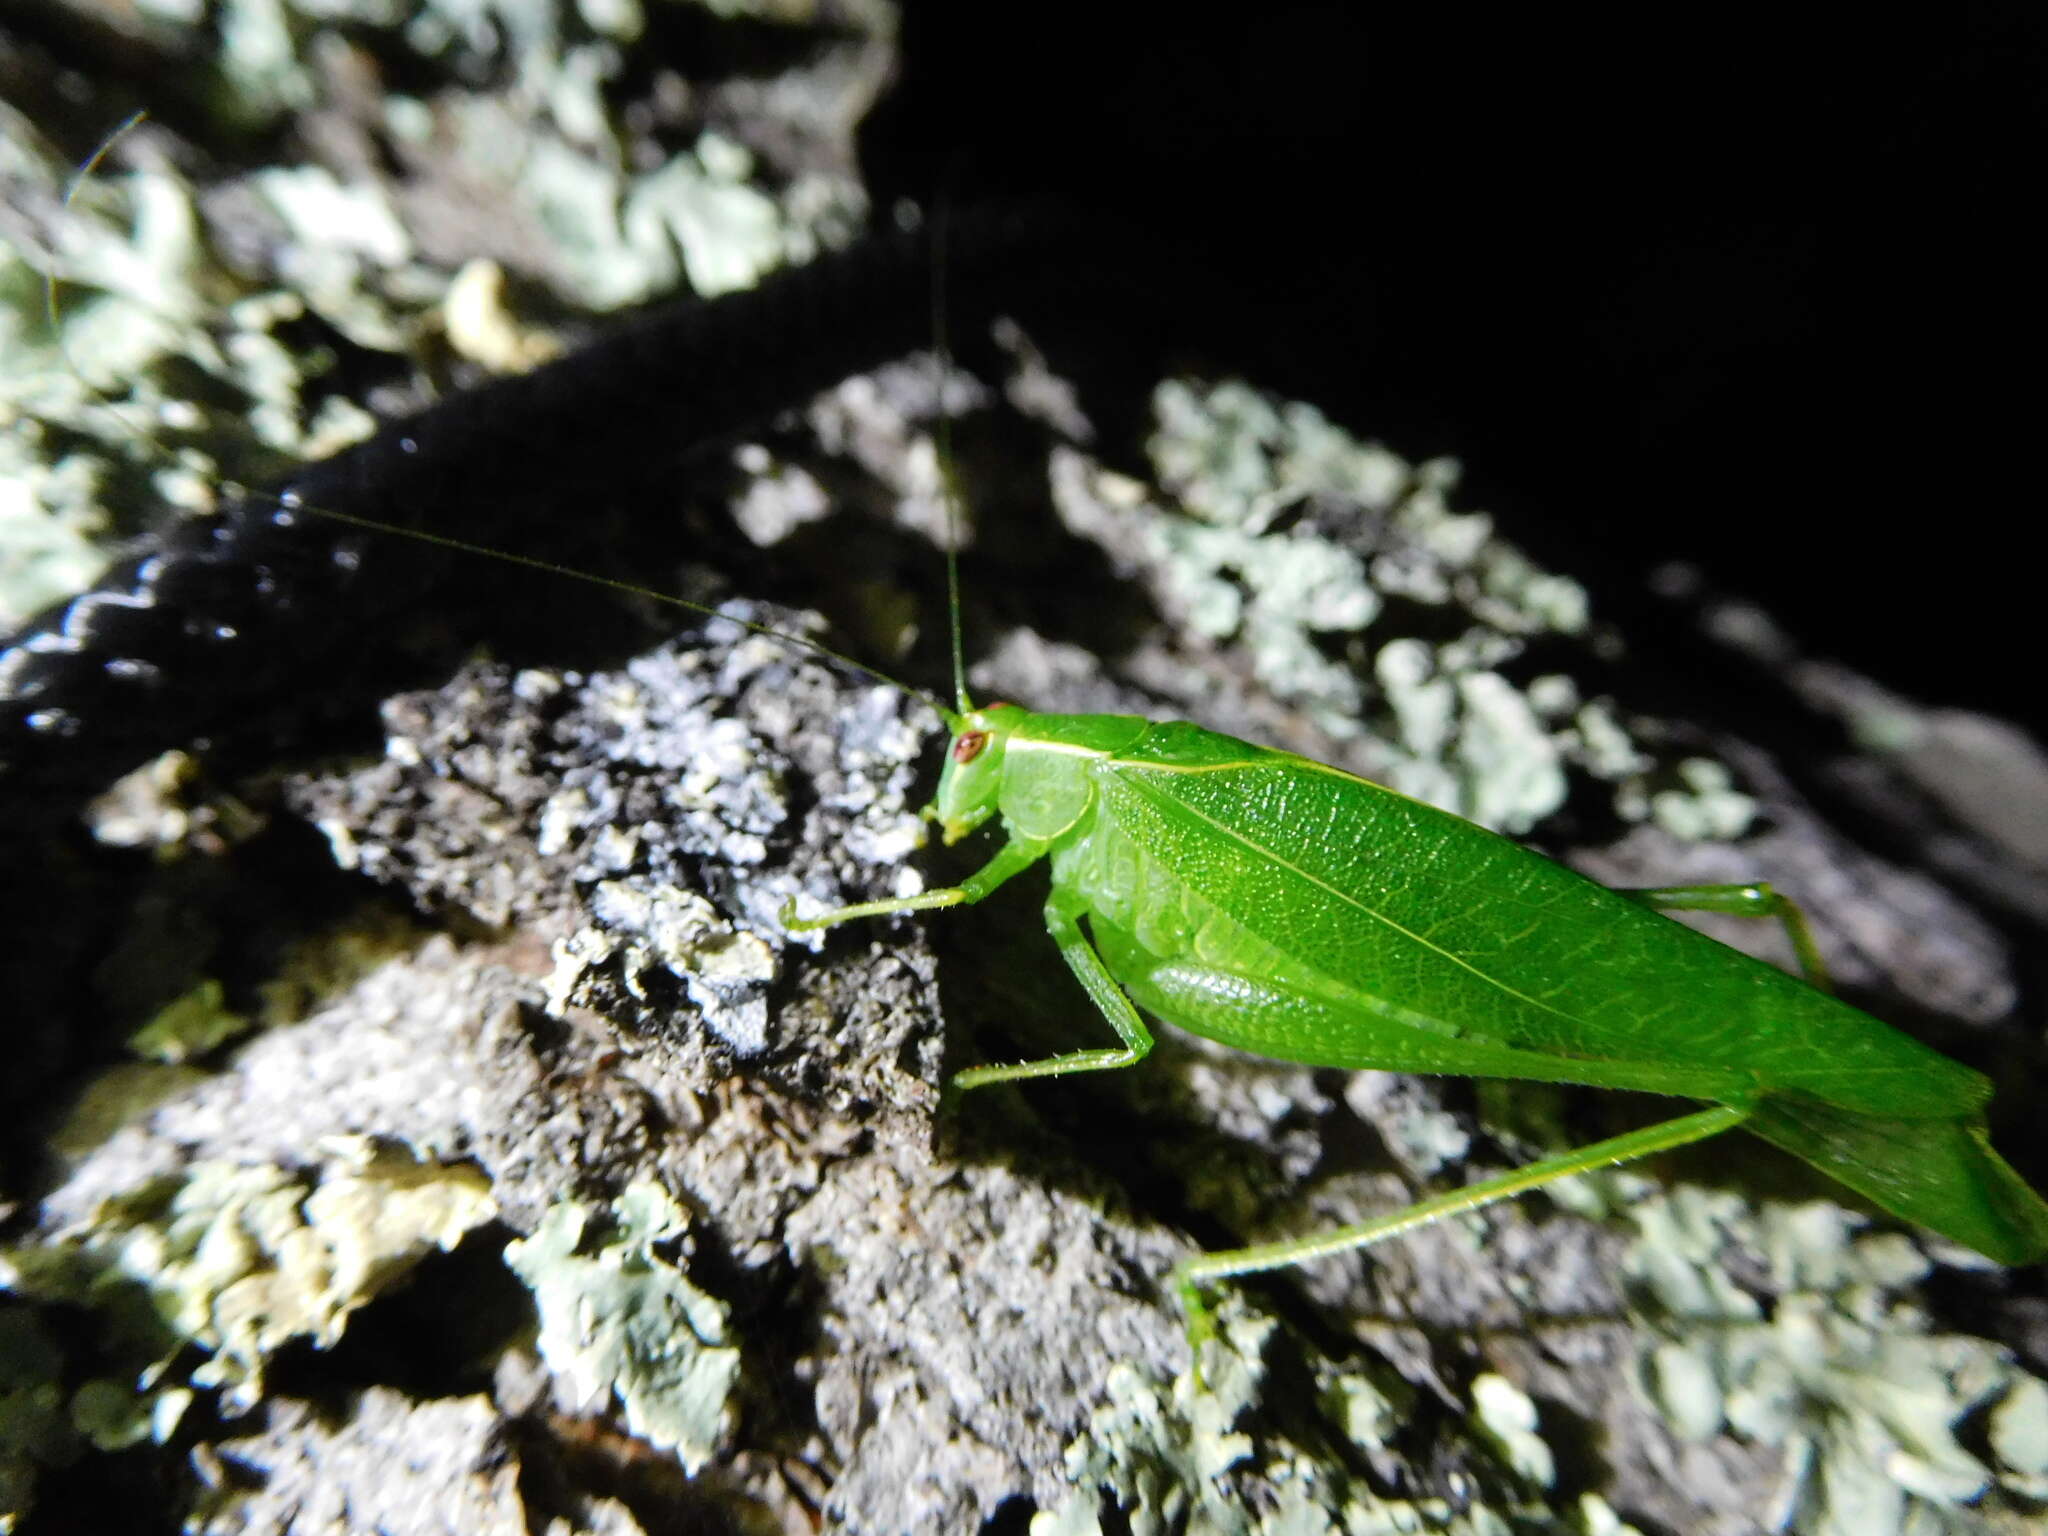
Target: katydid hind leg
1191,1275
1063,922
1755,898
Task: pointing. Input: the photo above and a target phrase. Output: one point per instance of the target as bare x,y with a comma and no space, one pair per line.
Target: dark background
1762,296
1758,295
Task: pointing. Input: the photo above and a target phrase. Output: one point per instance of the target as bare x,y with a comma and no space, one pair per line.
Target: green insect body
1290,909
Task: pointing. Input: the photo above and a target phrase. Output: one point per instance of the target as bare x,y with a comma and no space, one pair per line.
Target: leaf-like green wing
1394,900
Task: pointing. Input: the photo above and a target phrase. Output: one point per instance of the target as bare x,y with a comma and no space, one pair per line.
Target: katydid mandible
1291,909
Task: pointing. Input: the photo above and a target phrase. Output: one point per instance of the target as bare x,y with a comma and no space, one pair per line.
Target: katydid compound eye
967,746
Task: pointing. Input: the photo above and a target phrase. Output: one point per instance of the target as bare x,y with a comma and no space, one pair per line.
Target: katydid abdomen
1277,905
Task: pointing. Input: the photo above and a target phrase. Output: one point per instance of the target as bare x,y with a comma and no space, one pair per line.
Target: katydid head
973,775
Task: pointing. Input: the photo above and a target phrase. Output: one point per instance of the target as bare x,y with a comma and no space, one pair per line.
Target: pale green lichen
1835,1364
1236,462
114,1416
119,1096
1508,1417
1602,745
175,369
242,1260
189,1026
483,326
166,367
619,1318
1188,1456
1284,536
620,238
1596,1517
34,1430
1502,778
131,262
2019,1437
1705,805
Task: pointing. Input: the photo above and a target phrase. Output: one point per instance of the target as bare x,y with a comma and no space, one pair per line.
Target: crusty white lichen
686,792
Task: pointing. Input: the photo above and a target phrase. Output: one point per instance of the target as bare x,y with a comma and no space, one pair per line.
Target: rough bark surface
537,939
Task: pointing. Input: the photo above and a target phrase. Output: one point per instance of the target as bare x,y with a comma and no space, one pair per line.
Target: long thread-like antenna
948,492
52,318
290,505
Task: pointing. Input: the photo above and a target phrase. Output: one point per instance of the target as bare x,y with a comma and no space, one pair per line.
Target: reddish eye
991,708
967,746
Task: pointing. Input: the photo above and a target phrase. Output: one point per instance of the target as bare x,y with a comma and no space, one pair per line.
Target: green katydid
1296,911
1291,909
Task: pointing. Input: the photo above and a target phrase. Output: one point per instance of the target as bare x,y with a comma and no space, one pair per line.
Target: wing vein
1238,837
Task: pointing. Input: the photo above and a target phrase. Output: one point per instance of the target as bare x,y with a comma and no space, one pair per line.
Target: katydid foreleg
1013,858
1062,920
